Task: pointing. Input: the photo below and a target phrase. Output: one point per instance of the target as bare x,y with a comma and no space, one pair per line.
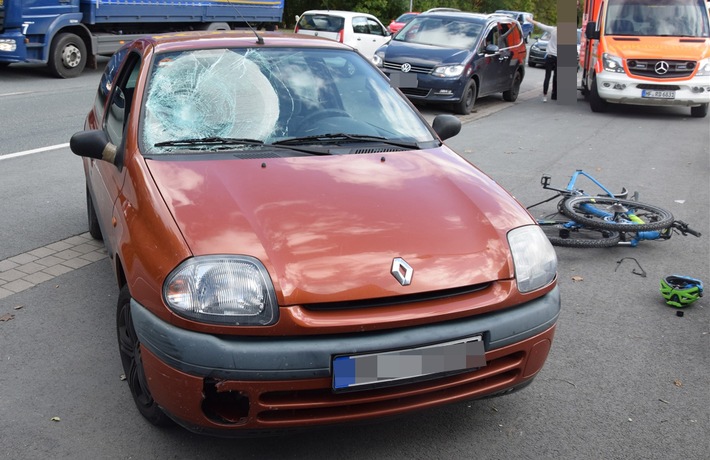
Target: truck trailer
646,52
68,35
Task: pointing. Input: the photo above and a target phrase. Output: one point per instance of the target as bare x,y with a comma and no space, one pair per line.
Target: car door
106,179
489,64
368,35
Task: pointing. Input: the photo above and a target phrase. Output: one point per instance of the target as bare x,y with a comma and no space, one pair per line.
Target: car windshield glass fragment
269,95
441,32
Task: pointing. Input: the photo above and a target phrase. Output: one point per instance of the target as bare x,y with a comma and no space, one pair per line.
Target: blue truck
68,35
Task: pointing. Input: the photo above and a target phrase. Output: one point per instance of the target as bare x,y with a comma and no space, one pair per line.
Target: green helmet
680,291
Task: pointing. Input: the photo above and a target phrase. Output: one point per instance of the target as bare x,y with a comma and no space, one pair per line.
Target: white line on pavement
30,152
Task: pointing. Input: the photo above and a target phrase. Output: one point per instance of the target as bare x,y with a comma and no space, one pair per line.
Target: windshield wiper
345,137
202,141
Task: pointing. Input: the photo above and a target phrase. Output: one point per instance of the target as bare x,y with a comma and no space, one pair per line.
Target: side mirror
93,144
446,126
491,49
591,31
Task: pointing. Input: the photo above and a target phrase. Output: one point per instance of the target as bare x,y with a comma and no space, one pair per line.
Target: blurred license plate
359,372
658,94
403,80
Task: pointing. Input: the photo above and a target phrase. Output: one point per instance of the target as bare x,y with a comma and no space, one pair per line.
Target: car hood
328,228
684,48
427,55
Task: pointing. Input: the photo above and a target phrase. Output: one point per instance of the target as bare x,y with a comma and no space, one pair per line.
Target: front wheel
700,111
468,99
130,349
596,103
614,214
67,56
512,94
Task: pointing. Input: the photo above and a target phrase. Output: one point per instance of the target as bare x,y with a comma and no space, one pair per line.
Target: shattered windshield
270,95
440,31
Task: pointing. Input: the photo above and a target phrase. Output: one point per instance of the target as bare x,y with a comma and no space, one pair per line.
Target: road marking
30,152
16,94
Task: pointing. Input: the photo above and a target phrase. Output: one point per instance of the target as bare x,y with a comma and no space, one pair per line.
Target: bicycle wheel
560,234
588,210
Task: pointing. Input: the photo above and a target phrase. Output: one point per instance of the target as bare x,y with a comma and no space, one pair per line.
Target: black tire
654,218
582,237
512,94
468,99
130,349
531,64
596,103
94,228
67,56
700,111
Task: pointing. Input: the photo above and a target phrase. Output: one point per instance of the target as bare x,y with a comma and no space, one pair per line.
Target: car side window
491,37
375,28
106,83
510,35
122,99
360,25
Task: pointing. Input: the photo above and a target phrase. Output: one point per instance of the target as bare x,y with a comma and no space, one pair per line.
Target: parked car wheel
532,64
468,99
512,94
130,350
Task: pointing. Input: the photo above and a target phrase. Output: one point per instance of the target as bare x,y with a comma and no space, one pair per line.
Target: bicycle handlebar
684,229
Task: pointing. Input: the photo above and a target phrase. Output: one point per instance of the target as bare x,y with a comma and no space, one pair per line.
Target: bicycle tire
654,218
582,237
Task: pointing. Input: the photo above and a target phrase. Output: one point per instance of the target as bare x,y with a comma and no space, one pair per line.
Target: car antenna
259,38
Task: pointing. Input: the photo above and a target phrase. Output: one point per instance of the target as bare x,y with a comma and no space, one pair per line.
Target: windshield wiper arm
334,137
209,141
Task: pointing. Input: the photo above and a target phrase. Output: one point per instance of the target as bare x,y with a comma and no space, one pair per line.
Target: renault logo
402,271
662,67
406,67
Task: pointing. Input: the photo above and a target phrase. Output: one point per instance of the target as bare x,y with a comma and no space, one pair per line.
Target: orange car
295,246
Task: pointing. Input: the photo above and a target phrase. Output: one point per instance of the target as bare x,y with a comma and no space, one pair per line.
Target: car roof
474,17
346,14
236,39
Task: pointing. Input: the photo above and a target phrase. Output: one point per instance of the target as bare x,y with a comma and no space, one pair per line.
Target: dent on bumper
621,89
283,358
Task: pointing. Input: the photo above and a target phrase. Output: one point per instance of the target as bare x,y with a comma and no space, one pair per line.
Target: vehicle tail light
340,35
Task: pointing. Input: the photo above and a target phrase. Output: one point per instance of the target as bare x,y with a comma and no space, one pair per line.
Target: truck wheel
67,57
700,111
468,99
596,103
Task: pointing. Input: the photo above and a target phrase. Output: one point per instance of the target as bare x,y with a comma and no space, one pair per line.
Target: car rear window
321,22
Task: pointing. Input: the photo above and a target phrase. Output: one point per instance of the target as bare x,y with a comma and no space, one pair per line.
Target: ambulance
646,52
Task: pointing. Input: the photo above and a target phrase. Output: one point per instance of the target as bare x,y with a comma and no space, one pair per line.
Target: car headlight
234,290
378,60
612,63
448,70
703,68
534,258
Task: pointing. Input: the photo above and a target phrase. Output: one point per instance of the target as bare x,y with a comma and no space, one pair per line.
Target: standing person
550,60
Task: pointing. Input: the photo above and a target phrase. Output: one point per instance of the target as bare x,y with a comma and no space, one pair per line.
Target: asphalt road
626,377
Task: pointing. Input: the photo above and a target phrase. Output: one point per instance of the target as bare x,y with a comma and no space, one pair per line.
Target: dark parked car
538,50
294,244
455,58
